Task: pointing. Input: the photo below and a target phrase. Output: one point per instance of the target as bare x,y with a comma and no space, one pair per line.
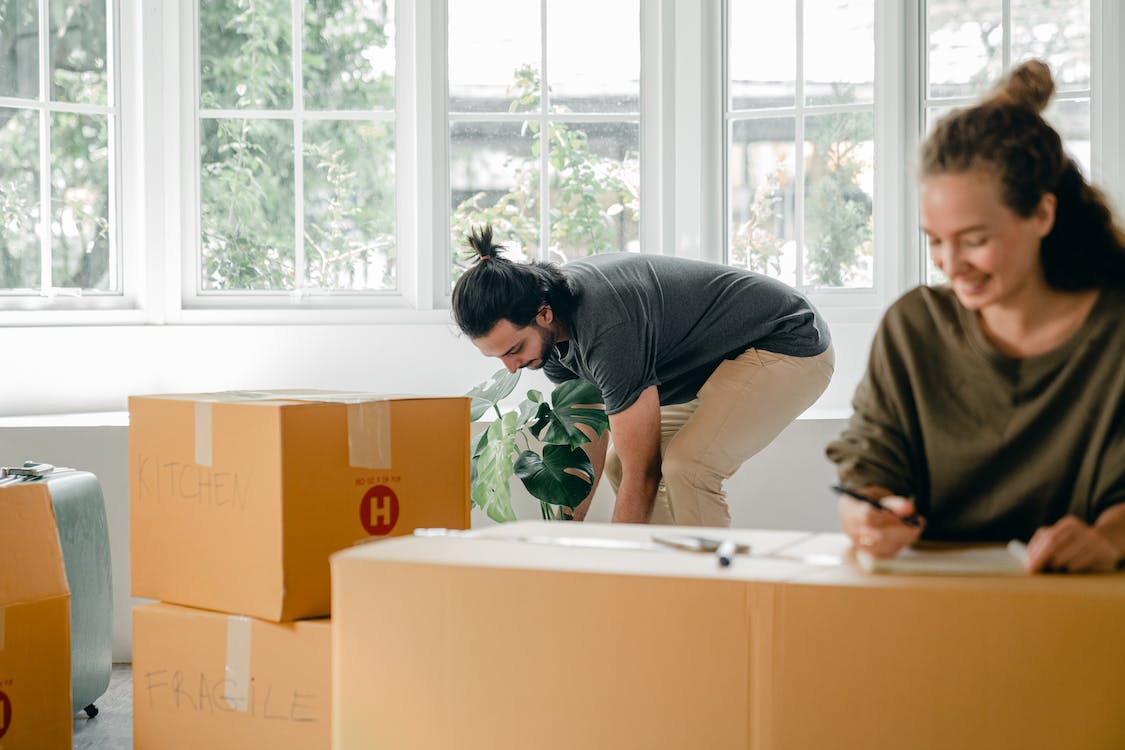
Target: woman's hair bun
1029,85
480,241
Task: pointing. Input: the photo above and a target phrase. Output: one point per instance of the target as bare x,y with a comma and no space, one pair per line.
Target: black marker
911,520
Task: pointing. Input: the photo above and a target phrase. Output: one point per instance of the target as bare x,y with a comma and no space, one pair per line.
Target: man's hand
636,438
1071,546
880,533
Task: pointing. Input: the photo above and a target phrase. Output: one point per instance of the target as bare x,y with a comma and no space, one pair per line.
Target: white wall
784,487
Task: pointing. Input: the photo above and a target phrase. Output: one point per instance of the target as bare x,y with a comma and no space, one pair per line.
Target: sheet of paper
974,560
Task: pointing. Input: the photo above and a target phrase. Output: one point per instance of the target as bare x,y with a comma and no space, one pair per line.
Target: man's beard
547,338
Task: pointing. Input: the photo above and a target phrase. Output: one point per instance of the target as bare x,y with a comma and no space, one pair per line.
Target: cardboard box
238,499
208,680
496,642
35,708
507,640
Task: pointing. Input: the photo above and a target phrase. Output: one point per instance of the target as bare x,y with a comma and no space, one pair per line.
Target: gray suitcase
84,533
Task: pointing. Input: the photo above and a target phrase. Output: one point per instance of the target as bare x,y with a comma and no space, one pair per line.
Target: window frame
51,300
682,189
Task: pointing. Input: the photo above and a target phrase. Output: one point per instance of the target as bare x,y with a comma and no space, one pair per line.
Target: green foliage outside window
248,168
79,148
590,193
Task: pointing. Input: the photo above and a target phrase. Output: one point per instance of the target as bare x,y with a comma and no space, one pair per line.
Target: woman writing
994,407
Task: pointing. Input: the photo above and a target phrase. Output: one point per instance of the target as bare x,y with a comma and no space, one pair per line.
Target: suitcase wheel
91,711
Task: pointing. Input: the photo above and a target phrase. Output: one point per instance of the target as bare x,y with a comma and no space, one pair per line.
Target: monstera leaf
491,392
492,469
571,406
561,476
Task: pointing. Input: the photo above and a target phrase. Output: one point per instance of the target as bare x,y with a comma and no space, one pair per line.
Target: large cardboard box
35,708
208,680
502,643
238,499
507,639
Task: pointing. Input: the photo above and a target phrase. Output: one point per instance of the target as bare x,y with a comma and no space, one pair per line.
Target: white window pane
80,253
594,55
494,50
19,199
839,51
78,45
966,39
1058,33
246,209
1071,118
245,54
19,49
494,178
762,54
839,164
595,188
762,202
349,205
349,55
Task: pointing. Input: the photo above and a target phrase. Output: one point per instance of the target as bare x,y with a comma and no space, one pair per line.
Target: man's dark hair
496,289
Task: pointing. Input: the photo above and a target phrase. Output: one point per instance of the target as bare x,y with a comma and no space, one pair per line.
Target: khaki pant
741,408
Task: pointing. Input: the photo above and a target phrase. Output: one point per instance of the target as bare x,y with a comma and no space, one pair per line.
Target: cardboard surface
208,680
35,708
237,500
565,646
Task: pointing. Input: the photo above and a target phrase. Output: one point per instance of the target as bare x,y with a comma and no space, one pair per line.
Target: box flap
583,548
31,561
291,395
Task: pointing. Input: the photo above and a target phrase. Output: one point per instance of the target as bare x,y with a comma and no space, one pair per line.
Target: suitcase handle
30,469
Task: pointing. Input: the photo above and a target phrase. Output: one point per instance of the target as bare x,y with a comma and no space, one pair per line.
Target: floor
112,728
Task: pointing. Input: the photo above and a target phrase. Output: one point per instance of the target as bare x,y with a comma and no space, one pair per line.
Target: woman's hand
880,533
1071,546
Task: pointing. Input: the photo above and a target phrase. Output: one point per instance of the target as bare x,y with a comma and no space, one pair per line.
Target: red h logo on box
5,713
378,512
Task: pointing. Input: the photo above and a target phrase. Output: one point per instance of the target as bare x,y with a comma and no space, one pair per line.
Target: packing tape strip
203,433
369,435
238,662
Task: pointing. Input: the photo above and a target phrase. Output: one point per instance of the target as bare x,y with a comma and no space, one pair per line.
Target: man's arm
595,450
636,438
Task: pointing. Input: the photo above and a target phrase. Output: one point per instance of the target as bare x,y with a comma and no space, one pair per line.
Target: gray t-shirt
646,320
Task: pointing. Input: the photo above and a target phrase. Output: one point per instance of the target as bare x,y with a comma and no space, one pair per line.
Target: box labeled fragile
238,499
35,706
208,680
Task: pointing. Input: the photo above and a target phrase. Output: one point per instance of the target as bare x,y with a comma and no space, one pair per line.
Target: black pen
911,520
725,552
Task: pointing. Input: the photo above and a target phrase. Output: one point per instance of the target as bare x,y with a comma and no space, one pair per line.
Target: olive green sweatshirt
989,447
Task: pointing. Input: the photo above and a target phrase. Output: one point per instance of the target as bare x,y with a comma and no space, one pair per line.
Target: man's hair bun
480,241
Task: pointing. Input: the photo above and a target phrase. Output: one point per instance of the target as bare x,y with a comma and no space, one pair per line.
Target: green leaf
492,470
527,410
562,476
575,402
542,419
487,394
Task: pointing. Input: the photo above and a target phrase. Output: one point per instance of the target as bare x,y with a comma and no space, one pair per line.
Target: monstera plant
539,441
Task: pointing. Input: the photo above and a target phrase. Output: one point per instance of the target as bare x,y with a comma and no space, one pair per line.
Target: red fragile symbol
5,713
379,510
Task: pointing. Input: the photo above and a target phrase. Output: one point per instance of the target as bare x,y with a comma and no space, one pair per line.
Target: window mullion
544,141
799,149
45,281
297,31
